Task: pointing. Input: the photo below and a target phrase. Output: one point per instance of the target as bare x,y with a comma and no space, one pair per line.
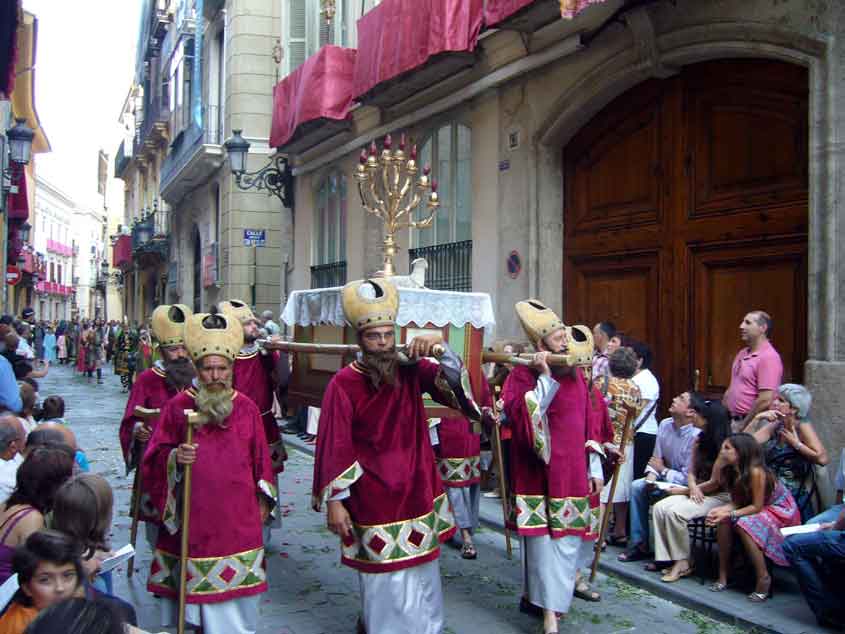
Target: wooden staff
500,467
351,349
194,418
629,418
145,415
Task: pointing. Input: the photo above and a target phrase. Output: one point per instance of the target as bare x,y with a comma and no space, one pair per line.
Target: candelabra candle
390,189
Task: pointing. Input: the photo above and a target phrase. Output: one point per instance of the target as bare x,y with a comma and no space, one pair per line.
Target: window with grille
329,233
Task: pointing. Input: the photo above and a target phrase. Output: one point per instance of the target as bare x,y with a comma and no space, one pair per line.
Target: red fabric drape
400,35
19,203
499,10
122,251
319,89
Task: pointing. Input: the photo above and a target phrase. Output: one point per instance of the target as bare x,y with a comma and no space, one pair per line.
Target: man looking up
151,390
233,488
375,465
756,372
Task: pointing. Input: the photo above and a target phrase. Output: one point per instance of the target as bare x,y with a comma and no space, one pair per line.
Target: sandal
584,591
468,551
761,597
633,554
718,587
672,578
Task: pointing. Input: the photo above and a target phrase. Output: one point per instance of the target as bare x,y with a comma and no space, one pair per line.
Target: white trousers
408,601
465,502
236,616
549,567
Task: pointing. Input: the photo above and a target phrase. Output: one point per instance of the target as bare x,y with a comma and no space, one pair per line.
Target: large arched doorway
686,207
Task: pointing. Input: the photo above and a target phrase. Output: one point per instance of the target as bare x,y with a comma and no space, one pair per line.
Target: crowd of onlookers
55,516
736,470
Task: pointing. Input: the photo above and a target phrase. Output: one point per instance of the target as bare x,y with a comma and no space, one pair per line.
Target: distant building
54,241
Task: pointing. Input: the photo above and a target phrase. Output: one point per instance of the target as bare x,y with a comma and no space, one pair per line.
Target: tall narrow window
329,252
447,243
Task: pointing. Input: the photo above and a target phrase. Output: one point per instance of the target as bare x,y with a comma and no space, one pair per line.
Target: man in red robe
151,390
375,465
255,377
555,468
458,451
232,491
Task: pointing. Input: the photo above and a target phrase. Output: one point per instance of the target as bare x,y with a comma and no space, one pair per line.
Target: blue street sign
255,237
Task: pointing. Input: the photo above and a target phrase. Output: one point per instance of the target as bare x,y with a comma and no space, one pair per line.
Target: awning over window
497,11
319,89
19,202
401,35
122,251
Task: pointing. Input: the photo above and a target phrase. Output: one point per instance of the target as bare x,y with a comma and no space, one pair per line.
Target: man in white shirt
645,427
12,439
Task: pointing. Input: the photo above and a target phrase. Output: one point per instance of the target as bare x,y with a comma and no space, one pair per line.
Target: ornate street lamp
24,230
20,142
145,232
276,177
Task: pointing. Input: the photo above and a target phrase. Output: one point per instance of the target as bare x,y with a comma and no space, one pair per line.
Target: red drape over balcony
122,251
319,89
401,35
19,202
499,10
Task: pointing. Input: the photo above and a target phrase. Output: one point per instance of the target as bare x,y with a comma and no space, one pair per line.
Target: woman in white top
645,427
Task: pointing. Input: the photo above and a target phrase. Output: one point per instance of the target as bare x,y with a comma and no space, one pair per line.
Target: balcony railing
190,142
449,265
328,275
121,159
156,117
150,236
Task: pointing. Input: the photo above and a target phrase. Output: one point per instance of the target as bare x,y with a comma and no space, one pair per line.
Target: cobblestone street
311,593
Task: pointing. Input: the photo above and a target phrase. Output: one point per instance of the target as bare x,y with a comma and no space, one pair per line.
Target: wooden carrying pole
629,418
350,349
186,524
500,468
143,414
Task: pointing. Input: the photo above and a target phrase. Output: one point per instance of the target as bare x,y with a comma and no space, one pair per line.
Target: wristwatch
733,515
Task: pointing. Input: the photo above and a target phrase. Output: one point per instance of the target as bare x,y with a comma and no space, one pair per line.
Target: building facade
205,67
56,246
668,166
91,251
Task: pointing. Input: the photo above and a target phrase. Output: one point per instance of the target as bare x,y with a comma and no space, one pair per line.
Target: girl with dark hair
701,495
645,427
760,506
38,478
48,570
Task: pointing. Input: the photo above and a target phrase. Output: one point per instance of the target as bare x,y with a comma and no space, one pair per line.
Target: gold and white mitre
237,309
369,303
214,333
538,320
168,322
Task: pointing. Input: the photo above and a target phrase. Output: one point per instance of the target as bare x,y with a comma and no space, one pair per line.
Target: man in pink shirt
756,372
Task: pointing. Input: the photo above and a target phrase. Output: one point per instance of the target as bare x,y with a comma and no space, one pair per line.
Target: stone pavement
311,593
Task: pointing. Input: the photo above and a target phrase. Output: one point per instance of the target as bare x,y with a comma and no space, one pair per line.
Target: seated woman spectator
671,514
38,478
49,571
83,510
760,506
623,396
790,444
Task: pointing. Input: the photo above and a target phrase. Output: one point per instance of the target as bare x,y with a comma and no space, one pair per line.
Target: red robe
376,444
554,498
253,378
149,390
225,545
459,448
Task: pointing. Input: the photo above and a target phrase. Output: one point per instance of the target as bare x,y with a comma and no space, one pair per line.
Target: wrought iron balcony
121,160
449,265
150,239
194,155
328,275
154,126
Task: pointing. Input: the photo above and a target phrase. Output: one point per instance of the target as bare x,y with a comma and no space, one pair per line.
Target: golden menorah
390,190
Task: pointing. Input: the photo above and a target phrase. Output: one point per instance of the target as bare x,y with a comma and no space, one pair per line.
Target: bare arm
758,494
714,484
806,442
761,404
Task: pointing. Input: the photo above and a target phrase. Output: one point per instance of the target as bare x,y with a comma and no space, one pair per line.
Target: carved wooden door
685,208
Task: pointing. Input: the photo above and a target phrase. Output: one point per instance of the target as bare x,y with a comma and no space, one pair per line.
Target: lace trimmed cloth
416,306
